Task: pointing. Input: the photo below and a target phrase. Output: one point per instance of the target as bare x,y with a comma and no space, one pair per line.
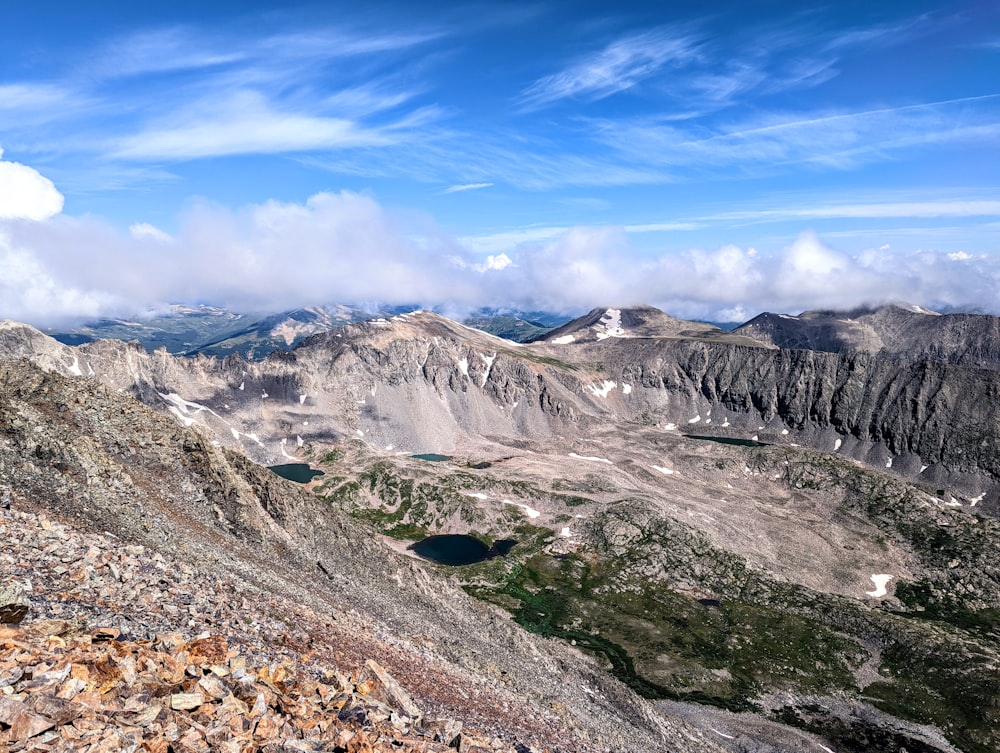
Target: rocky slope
107,465
898,331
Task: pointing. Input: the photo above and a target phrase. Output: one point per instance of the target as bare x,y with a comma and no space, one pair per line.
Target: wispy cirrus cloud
182,93
838,140
873,210
462,187
185,48
163,50
247,122
33,96
621,65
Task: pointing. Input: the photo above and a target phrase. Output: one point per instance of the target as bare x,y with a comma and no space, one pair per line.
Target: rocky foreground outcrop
92,661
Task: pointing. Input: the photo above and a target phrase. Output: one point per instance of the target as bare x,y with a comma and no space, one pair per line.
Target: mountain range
781,537
214,331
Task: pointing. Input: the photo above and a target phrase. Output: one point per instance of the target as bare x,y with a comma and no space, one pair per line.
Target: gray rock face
901,332
929,421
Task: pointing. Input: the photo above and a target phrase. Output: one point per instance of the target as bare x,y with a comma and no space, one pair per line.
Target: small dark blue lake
728,440
432,457
459,549
300,473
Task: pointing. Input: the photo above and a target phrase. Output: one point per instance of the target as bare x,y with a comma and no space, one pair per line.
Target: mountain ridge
898,331
583,453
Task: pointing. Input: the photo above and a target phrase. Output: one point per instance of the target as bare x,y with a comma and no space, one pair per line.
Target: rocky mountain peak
635,321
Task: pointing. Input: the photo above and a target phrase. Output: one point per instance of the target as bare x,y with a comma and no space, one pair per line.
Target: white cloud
26,194
345,247
31,291
498,262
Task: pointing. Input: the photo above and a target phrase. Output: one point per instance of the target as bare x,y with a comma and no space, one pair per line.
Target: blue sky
716,159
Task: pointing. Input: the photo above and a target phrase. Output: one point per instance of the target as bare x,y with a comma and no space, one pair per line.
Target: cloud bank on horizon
697,159
346,247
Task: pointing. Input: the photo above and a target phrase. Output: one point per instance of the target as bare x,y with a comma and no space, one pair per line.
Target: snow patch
836,445
879,581
784,432
463,366
477,495
670,427
359,432
722,734
564,340
488,360
627,389
664,471
236,434
590,457
888,463
565,532
976,500
603,390
185,407
299,441
243,385
694,420
725,423
302,399
923,468
610,325
186,420
74,368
